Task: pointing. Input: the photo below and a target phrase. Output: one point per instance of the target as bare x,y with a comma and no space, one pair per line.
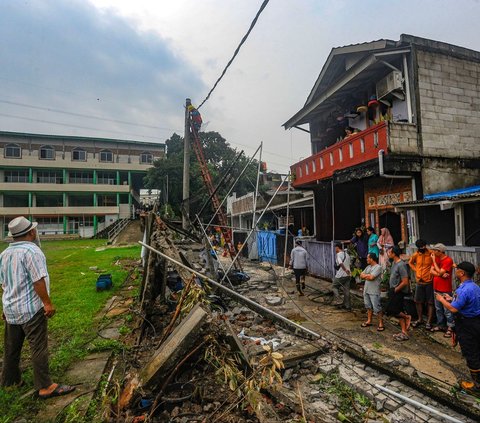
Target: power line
87,116
74,126
264,4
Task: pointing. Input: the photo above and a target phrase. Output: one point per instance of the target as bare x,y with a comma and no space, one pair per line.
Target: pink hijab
385,237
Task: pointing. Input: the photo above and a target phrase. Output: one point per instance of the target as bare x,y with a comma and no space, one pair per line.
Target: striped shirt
22,264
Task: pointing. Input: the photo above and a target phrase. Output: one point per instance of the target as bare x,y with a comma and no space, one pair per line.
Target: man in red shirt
442,283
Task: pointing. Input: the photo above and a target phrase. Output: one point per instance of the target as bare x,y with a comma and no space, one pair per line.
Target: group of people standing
454,313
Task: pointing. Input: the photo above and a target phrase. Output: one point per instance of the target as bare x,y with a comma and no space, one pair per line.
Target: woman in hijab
385,241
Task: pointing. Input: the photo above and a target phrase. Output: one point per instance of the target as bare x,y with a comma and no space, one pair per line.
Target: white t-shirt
342,258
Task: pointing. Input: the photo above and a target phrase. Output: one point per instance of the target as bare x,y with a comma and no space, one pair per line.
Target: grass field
74,326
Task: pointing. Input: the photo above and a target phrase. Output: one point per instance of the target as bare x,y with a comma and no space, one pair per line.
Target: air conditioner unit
392,82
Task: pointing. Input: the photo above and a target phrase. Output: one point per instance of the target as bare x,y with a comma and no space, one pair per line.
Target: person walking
298,262
26,308
442,283
371,292
465,305
399,286
421,263
342,277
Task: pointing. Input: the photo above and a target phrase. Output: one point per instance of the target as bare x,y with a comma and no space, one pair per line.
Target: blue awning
453,193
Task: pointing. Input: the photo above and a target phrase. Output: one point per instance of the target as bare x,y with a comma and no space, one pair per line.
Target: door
393,222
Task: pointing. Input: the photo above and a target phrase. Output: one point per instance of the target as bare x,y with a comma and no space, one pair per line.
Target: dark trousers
468,335
35,331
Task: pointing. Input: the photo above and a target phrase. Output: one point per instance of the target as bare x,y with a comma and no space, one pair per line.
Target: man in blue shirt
466,306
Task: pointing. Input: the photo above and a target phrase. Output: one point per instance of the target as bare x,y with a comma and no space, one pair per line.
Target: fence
320,258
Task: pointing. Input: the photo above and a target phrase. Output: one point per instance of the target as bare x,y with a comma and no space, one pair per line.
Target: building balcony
41,187
392,137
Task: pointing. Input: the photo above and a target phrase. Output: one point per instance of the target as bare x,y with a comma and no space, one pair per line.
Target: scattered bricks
391,405
274,301
409,370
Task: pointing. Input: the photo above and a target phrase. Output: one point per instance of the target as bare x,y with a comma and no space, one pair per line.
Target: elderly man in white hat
26,307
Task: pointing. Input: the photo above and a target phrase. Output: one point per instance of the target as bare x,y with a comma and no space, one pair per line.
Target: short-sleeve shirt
21,265
372,244
298,258
342,258
373,286
440,283
397,273
467,299
422,262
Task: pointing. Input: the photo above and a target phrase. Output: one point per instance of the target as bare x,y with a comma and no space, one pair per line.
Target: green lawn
75,324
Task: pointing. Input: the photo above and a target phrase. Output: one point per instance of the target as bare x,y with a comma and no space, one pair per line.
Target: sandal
400,337
428,326
380,328
448,333
416,323
365,324
58,391
437,329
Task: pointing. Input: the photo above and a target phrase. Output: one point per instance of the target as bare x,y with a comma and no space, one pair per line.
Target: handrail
118,227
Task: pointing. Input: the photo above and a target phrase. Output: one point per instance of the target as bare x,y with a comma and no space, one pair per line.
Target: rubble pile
198,355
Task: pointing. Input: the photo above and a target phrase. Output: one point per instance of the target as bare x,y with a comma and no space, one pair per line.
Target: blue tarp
453,193
267,246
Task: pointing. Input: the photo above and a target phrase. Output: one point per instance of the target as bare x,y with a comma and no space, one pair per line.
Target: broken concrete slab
274,301
175,346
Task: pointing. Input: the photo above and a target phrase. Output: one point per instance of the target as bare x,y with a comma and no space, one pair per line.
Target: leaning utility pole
186,167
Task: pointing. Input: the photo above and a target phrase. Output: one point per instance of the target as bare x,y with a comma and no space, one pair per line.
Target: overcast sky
123,68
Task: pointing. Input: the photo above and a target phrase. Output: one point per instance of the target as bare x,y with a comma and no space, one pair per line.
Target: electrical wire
264,4
87,116
73,126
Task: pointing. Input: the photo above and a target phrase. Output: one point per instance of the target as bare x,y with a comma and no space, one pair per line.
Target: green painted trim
95,224
65,176
30,175
129,178
65,222
95,199
118,177
64,199
129,199
30,199
94,177
118,199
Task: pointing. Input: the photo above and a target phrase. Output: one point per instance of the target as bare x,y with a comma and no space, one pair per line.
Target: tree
219,156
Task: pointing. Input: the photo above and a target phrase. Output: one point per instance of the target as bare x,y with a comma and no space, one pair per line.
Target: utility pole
186,166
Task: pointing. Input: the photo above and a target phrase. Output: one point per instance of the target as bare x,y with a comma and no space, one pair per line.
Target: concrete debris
175,347
274,301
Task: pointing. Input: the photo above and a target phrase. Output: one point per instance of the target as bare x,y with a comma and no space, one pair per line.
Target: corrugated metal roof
453,193
458,198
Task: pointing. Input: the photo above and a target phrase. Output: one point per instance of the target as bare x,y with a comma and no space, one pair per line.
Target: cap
20,226
467,267
439,247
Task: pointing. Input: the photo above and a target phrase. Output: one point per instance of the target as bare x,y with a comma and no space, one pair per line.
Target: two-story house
391,122
71,184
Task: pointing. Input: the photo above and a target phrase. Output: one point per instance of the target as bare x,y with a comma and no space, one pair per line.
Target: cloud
71,55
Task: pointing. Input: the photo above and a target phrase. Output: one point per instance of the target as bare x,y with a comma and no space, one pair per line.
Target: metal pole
418,404
254,222
213,249
234,294
250,233
186,167
233,185
286,226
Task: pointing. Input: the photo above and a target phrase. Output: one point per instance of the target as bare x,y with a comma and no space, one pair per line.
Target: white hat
439,247
20,226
